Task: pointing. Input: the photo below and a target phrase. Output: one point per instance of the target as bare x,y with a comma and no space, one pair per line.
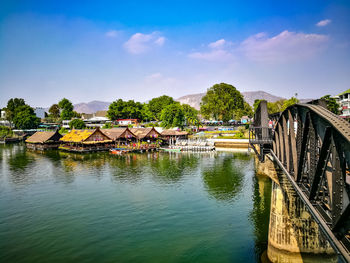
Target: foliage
66,109
63,131
25,118
125,110
173,116
77,124
54,111
289,102
222,102
246,111
147,115
156,105
5,132
191,115
332,104
107,125
12,105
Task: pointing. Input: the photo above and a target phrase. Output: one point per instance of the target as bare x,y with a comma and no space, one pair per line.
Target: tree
222,102
173,116
25,118
77,124
156,105
256,104
54,111
125,110
146,113
332,104
289,102
246,111
191,114
12,105
66,109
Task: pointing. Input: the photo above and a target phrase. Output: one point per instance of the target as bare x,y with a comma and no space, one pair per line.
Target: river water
150,207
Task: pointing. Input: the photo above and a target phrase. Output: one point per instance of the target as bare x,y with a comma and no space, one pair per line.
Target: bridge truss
312,146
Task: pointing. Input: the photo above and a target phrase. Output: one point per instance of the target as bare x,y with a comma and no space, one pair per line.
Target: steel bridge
312,146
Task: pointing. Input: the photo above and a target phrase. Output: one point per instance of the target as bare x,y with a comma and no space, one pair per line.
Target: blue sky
105,50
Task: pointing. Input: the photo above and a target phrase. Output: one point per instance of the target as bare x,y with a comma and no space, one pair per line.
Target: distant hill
194,100
91,107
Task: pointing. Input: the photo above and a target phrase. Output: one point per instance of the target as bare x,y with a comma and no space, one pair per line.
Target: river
150,207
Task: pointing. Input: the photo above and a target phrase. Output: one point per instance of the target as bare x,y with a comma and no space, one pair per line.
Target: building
171,136
40,113
120,136
343,100
85,141
43,140
245,119
146,134
126,122
3,114
96,122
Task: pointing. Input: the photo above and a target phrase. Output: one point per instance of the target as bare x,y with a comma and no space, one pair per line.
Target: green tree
25,118
125,110
77,124
191,115
332,104
11,107
289,102
147,115
66,109
156,105
173,116
222,102
256,104
54,111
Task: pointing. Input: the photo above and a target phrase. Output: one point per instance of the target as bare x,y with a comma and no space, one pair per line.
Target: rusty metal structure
312,146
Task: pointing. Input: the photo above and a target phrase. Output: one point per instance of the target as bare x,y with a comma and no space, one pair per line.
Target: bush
5,132
63,131
107,125
77,124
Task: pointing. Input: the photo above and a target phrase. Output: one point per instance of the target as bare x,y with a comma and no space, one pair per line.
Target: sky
106,50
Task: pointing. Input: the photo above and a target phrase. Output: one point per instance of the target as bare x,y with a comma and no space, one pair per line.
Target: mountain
91,107
194,100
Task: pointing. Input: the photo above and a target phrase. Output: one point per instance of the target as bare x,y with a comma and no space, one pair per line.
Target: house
96,121
120,136
343,100
85,141
146,134
126,122
171,136
43,140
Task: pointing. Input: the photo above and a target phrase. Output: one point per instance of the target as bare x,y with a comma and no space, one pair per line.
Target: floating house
86,141
120,136
146,134
43,140
171,136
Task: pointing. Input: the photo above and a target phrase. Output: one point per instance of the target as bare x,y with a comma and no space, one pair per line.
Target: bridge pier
293,236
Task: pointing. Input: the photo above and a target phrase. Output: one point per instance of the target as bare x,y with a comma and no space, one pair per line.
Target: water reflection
223,176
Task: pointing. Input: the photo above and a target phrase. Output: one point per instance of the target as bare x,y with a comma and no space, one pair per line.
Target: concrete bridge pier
294,236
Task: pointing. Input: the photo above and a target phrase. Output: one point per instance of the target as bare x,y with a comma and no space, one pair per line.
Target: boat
171,149
118,151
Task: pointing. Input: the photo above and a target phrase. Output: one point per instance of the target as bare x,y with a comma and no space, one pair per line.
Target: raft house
149,134
121,136
85,141
171,136
44,140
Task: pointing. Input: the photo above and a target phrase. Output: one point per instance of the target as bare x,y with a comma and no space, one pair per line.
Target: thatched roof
117,133
142,133
174,133
84,135
44,136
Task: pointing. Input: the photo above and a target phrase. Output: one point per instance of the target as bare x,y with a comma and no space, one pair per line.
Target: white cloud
324,22
112,33
217,44
160,41
287,46
213,55
141,43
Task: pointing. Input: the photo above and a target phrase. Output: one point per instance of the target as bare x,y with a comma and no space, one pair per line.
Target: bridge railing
260,135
